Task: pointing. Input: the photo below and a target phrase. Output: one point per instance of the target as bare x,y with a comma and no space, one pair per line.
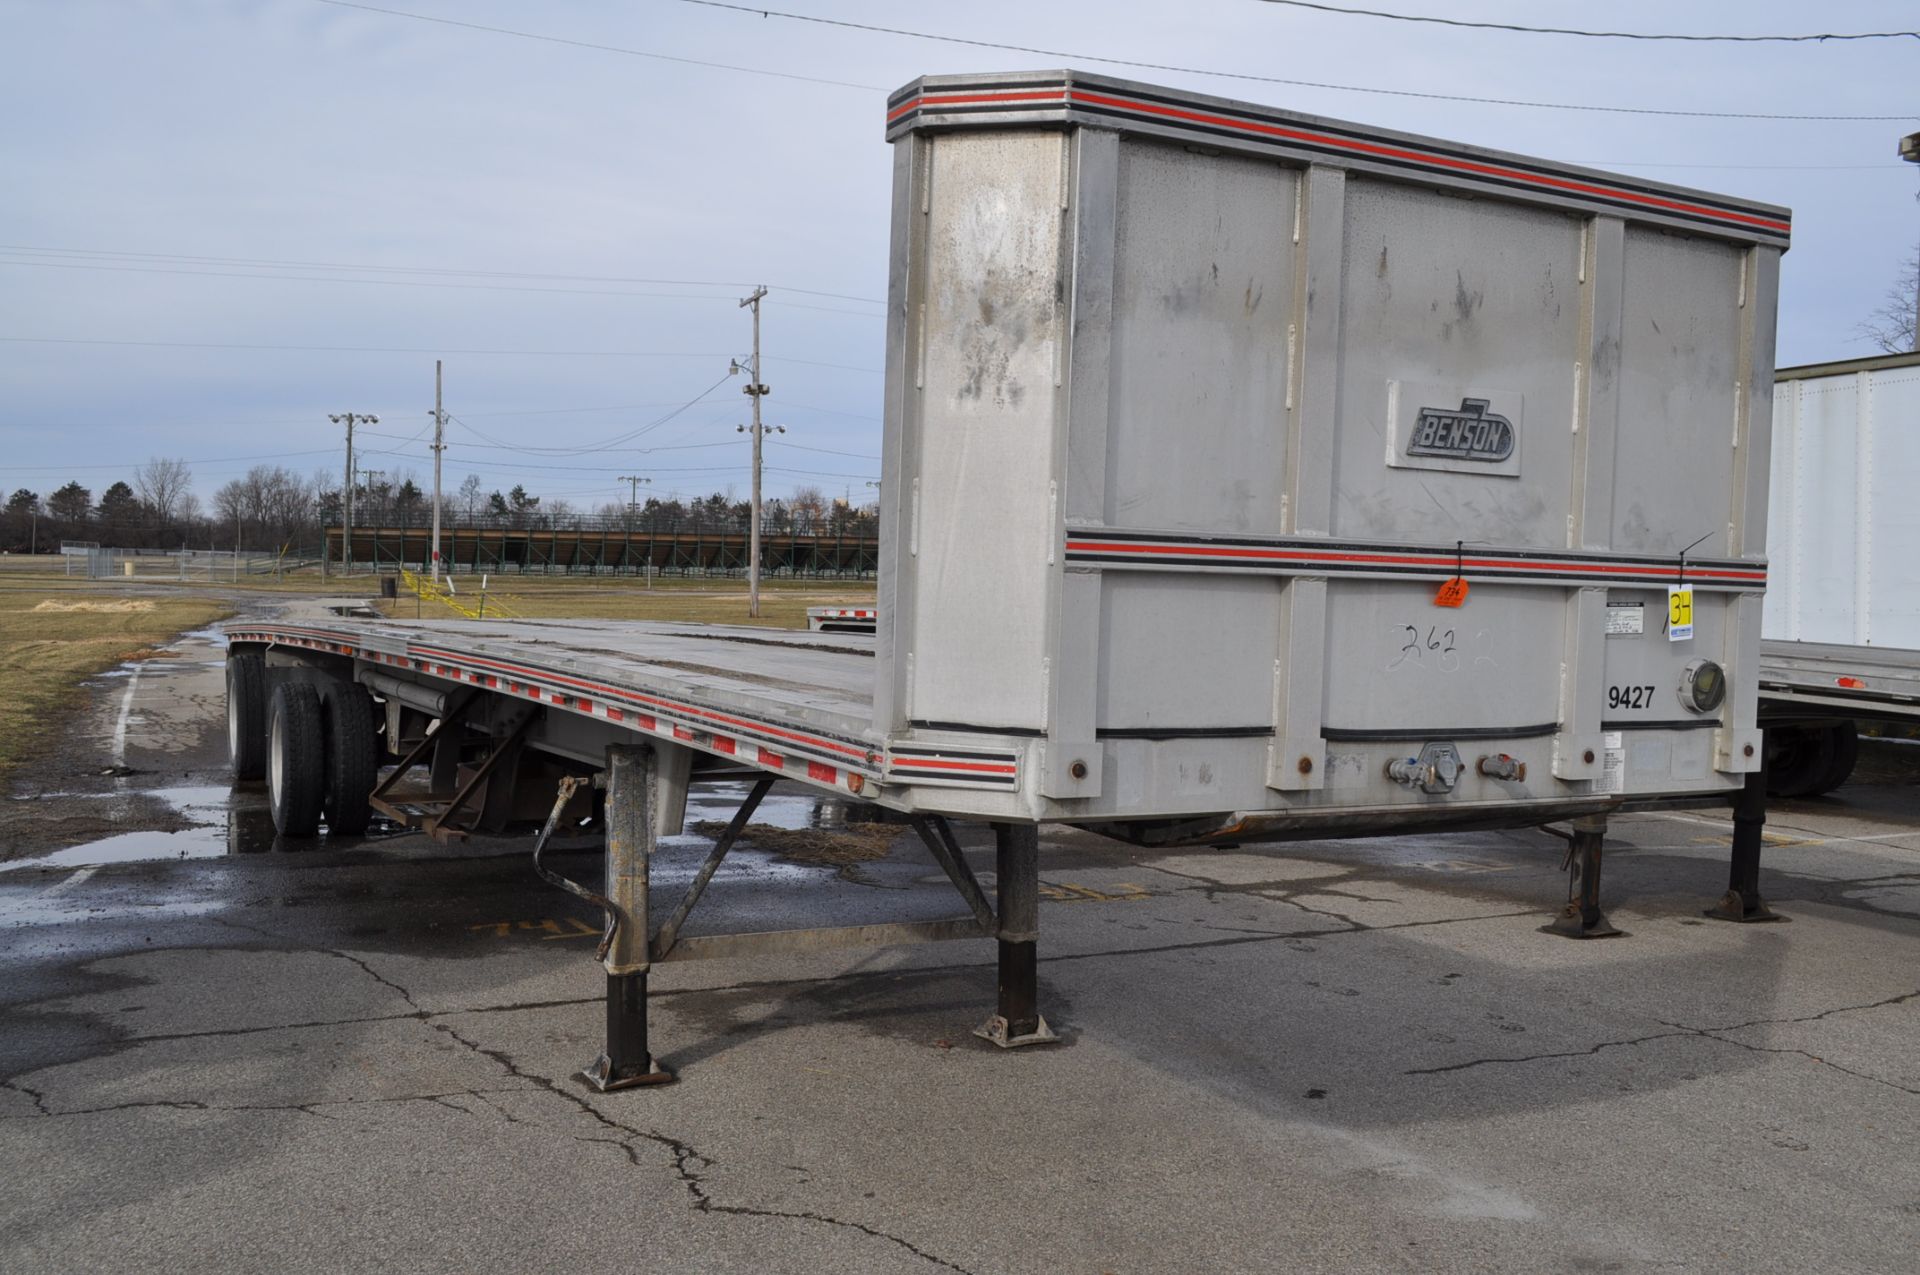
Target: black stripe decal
1363,735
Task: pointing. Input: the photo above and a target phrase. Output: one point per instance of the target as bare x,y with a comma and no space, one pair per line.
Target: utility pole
1910,151
349,419
755,390
633,482
439,445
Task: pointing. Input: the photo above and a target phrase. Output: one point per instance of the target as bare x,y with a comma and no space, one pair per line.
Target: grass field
783,603
52,641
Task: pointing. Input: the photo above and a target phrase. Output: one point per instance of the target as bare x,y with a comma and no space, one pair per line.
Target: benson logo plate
1426,431
1468,432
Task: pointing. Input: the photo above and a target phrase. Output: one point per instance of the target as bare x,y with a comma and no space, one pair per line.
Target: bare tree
275,505
1891,326
163,482
470,489
809,509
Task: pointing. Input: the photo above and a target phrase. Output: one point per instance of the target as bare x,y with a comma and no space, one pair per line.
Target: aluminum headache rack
1247,476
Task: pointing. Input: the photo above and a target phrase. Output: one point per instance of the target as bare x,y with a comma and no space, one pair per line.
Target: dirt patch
122,606
831,848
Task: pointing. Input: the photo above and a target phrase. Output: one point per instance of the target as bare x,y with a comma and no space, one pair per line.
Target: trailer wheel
1797,759
353,757
296,759
247,714
1845,738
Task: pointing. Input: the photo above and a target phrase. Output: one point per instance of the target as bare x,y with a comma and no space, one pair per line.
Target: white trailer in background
1247,476
1841,639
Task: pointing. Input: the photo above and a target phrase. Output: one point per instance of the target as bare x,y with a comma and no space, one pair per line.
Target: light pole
439,446
349,419
1910,151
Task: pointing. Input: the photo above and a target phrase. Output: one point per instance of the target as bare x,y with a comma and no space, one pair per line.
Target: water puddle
795,812
225,822
229,821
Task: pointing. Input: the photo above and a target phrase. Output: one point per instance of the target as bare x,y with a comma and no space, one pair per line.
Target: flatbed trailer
1247,476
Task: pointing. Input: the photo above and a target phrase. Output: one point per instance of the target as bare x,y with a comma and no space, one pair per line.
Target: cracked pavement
1324,1056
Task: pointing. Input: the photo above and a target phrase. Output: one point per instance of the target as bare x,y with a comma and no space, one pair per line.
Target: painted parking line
79,877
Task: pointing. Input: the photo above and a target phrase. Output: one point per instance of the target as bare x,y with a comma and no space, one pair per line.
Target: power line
1825,37
401,349
602,48
604,445
426,270
367,349
1273,79
408,283
214,460
830,451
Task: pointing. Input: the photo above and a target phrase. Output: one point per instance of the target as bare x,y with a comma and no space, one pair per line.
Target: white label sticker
1613,763
1626,618
1679,612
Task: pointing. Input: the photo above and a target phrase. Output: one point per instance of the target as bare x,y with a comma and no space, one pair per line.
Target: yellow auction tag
1679,612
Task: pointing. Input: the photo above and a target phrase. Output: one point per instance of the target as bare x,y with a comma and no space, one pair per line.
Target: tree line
273,509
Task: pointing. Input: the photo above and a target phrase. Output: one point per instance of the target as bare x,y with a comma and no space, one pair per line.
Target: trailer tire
296,759
353,757
1846,755
247,714
1797,759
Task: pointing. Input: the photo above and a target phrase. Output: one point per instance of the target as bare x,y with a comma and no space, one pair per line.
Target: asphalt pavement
225,1053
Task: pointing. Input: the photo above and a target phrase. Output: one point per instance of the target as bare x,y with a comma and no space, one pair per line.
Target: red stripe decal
1437,561
721,744
1383,150
974,99
822,774
774,760
930,763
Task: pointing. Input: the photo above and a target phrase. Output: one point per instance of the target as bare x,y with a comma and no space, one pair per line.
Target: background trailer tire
247,714
352,757
1806,761
296,759
1846,755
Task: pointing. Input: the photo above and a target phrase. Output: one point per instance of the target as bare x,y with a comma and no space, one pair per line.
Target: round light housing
1703,686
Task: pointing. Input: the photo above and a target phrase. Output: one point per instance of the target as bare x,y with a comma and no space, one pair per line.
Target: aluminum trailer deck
1246,476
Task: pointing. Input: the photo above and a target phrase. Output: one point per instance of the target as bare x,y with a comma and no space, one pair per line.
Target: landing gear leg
1743,902
627,1062
1017,865
1582,918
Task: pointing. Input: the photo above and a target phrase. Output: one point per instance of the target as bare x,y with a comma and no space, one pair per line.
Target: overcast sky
350,193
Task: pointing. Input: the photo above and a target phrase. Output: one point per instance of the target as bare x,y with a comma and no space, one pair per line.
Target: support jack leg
627,1062
1017,864
1742,901
1582,918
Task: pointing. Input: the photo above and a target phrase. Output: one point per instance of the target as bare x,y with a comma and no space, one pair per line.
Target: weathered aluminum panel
1679,384
1450,301
987,369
